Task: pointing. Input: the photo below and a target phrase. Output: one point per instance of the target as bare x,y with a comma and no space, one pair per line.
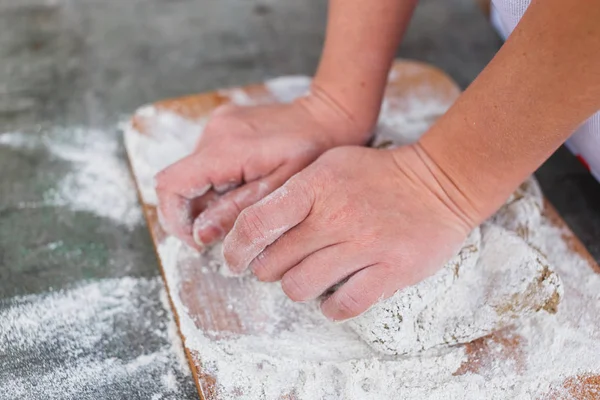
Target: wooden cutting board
204,296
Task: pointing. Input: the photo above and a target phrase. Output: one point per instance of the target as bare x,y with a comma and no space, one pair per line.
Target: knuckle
250,224
302,187
293,288
348,304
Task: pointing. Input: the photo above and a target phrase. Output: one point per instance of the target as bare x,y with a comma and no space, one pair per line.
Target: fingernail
226,187
196,237
253,264
227,243
230,270
205,227
329,317
325,312
197,192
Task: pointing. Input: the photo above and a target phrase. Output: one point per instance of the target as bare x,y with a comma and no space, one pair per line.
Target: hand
244,154
382,219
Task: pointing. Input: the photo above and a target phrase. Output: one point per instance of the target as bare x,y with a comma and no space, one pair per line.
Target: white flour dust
319,359
296,352
78,325
98,180
172,137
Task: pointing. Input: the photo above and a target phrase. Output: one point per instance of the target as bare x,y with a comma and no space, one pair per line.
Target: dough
522,212
496,278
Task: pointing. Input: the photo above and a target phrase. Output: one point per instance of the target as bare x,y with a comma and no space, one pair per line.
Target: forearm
361,40
541,85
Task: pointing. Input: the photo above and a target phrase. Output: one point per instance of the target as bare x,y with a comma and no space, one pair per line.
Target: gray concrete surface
89,62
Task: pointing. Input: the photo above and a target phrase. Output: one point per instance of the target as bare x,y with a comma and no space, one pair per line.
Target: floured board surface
244,339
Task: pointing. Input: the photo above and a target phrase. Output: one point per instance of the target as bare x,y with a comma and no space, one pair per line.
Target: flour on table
296,352
522,212
300,349
98,180
74,324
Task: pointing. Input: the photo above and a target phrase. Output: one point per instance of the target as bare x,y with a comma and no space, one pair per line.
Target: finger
363,289
227,187
218,219
187,179
289,250
174,217
322,270
181,212
261,224
196,174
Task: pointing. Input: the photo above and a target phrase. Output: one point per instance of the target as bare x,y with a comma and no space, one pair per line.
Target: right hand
244,154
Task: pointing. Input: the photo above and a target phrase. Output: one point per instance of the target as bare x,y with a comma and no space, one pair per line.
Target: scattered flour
78,325
98,181
294,351
287,88
170,138
301,351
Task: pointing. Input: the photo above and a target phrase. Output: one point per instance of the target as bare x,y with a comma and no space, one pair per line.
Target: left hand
382,219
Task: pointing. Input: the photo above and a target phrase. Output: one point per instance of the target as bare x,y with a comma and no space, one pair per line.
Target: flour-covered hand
376,220
244,154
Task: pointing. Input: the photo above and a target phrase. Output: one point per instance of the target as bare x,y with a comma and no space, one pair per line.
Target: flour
173,138
403,123
98,180
293,350
391,327
323,360
76,325
522,212
287,88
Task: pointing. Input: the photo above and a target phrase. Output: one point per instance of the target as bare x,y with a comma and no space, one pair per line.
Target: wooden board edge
575,244
188,355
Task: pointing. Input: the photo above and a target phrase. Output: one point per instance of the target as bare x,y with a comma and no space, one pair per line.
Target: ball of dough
522,212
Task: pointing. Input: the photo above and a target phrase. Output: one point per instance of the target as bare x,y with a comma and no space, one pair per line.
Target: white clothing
585,142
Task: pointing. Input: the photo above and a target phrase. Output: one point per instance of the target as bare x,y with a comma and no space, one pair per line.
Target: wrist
468,175
341,124
426,171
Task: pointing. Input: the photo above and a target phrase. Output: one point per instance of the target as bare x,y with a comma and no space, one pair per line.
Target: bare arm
332,222
362,38
543,83
201,195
